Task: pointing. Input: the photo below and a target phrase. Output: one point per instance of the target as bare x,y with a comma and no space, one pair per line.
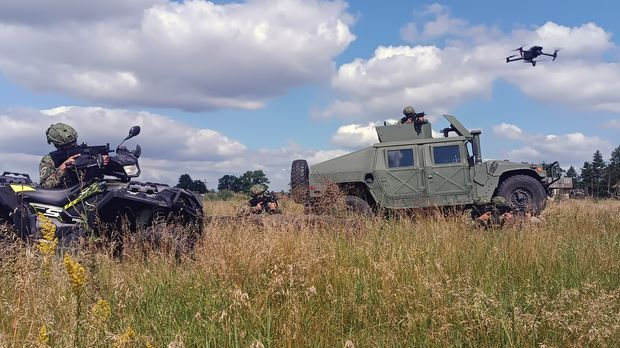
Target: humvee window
400,158
446,154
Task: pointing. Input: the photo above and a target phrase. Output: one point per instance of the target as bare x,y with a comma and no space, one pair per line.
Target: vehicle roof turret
417,131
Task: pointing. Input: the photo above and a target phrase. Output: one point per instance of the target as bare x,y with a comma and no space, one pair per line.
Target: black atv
106,202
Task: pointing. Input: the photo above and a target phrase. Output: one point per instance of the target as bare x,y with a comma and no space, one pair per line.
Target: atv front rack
15,178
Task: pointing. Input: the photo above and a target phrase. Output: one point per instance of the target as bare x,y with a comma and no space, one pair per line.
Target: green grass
434,281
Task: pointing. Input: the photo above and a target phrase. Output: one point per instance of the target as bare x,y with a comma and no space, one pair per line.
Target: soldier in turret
412,117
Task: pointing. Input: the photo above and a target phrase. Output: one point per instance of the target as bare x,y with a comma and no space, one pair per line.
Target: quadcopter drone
528,56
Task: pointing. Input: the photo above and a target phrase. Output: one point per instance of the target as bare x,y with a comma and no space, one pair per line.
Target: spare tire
299,181
523,193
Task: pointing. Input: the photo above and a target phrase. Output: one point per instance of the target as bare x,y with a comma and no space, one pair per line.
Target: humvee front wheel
523,193
358,206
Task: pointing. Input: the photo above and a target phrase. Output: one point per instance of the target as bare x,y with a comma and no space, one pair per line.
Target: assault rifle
415,117
90,156
265,199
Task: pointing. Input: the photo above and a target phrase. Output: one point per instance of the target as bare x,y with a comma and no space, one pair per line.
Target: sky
222,87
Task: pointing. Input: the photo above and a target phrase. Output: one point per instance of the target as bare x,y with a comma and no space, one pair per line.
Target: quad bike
106,202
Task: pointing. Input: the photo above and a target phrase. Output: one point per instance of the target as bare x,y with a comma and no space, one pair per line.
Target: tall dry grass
430,281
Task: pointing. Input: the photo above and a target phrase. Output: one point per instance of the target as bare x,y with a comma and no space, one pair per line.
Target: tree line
597,177
232,183
243,182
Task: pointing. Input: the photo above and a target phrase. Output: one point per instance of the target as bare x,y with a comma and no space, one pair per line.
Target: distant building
564,186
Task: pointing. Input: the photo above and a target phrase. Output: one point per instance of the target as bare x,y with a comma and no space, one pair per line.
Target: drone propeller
555,54
518,49
514,55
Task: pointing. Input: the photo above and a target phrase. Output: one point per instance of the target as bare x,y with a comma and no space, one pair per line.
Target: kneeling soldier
261,201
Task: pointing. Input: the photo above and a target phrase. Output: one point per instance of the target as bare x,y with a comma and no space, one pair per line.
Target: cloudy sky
221,87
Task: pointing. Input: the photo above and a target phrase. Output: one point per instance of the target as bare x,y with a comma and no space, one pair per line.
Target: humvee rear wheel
358,206
523,193
299,180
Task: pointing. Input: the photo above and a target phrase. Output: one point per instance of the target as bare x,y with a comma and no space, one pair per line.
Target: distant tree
229,183
185,182
250,178
614,167
571,172
199,186
599,181
585,178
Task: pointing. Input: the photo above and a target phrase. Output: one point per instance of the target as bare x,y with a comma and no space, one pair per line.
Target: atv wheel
358,206
523,193
171,235
299,181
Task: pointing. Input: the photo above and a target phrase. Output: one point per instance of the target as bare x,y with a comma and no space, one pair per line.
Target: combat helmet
408,110
60,134
257,189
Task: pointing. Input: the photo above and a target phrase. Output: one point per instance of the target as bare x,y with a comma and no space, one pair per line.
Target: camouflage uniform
52,177
257,192
59,134
499,212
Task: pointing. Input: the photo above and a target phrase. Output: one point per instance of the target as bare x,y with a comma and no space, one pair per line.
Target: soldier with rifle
261,202
56,168
412,117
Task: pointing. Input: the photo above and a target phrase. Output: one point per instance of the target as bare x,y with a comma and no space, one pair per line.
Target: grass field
429,281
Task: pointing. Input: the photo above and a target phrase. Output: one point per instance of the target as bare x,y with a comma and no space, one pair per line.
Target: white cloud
160,134
425,76
526,154
355,135
439,78
508,130
193,55
567,148
169,148
442,25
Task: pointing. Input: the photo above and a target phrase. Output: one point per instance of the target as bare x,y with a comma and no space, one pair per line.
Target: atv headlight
131,170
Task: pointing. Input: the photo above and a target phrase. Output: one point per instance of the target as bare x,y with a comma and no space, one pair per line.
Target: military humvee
409,168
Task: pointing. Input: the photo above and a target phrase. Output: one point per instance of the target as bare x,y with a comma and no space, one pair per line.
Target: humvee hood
358,162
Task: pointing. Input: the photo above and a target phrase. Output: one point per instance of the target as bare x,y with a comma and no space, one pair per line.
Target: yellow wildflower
48,244
76,273
101,310
43,338
125,338
257,344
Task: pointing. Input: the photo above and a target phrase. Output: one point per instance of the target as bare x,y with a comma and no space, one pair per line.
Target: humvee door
447,172
400,173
